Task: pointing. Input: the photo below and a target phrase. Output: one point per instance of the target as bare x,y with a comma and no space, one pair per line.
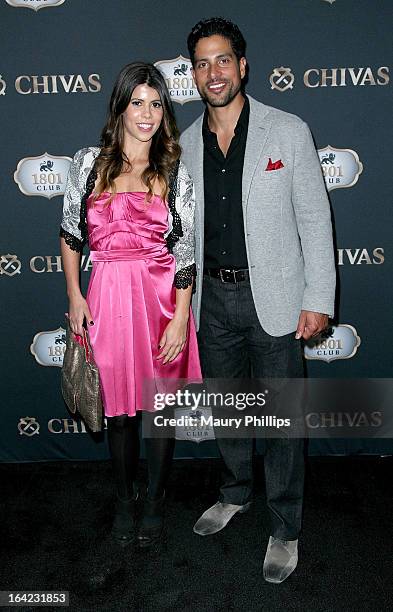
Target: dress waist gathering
128,254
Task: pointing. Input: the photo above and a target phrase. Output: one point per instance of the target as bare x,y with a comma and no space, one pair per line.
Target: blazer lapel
258,130
197,164
196,169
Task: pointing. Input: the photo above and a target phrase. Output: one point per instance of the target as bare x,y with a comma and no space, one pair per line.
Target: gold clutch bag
80,380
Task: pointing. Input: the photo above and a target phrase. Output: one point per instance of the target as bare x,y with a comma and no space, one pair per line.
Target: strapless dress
132,298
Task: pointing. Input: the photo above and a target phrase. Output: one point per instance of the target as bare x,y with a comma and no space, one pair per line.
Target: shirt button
223,170
224,197
223,252
224,225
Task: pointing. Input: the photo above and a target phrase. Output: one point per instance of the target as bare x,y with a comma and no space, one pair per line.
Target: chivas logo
337,342
179,80
66,426
44,175
49,347
341,77
195,430
360,256
28,426
36,5
59,426
53,263
282,79
9,265
3,86
57,83
340,167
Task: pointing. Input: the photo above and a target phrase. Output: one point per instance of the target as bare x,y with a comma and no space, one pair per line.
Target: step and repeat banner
325,60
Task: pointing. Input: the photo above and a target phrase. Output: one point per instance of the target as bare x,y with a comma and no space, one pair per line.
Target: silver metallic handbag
80,380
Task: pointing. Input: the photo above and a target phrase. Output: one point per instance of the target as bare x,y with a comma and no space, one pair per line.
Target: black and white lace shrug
180,235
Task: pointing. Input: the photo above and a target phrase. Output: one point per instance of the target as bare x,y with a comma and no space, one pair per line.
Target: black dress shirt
224,230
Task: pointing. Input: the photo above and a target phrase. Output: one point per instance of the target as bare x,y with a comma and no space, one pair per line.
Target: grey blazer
287,223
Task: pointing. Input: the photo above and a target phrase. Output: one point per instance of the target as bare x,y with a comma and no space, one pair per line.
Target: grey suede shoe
280,559
217,517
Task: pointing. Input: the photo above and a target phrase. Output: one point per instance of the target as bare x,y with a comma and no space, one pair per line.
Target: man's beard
216,101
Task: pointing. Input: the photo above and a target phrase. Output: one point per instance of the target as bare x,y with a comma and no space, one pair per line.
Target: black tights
123,438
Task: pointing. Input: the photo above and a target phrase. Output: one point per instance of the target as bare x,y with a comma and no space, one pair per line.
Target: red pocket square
274,165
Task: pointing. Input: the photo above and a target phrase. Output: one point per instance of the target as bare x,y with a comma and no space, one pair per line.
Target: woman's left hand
173,339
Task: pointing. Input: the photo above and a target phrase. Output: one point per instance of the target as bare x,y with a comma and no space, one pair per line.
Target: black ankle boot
123,528
152,522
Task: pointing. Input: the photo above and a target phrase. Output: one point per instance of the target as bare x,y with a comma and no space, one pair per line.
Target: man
266,275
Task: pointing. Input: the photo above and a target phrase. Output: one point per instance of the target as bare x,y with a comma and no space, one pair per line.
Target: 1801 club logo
48,347
336,342
179,80
190,426
36,5
44,175
340,167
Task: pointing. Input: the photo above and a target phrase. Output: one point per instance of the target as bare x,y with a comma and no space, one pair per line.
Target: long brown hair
164,150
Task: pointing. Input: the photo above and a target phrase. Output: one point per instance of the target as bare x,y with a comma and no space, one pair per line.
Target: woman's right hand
78,311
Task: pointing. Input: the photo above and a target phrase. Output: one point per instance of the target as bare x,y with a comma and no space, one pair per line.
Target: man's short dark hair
221,27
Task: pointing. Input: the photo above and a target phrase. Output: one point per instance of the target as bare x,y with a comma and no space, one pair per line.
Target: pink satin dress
132,298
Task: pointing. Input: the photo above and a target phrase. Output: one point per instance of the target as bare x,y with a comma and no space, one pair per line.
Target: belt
228,276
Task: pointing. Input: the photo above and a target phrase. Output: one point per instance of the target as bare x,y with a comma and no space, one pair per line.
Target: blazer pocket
277,179
274,174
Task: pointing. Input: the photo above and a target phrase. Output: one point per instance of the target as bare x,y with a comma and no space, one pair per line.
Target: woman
137,306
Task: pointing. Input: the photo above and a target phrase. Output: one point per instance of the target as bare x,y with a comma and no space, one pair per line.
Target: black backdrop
325,60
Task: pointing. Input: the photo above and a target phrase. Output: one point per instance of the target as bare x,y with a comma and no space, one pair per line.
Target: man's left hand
310,324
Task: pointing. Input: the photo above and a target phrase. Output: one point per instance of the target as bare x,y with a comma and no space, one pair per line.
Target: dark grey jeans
233,344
